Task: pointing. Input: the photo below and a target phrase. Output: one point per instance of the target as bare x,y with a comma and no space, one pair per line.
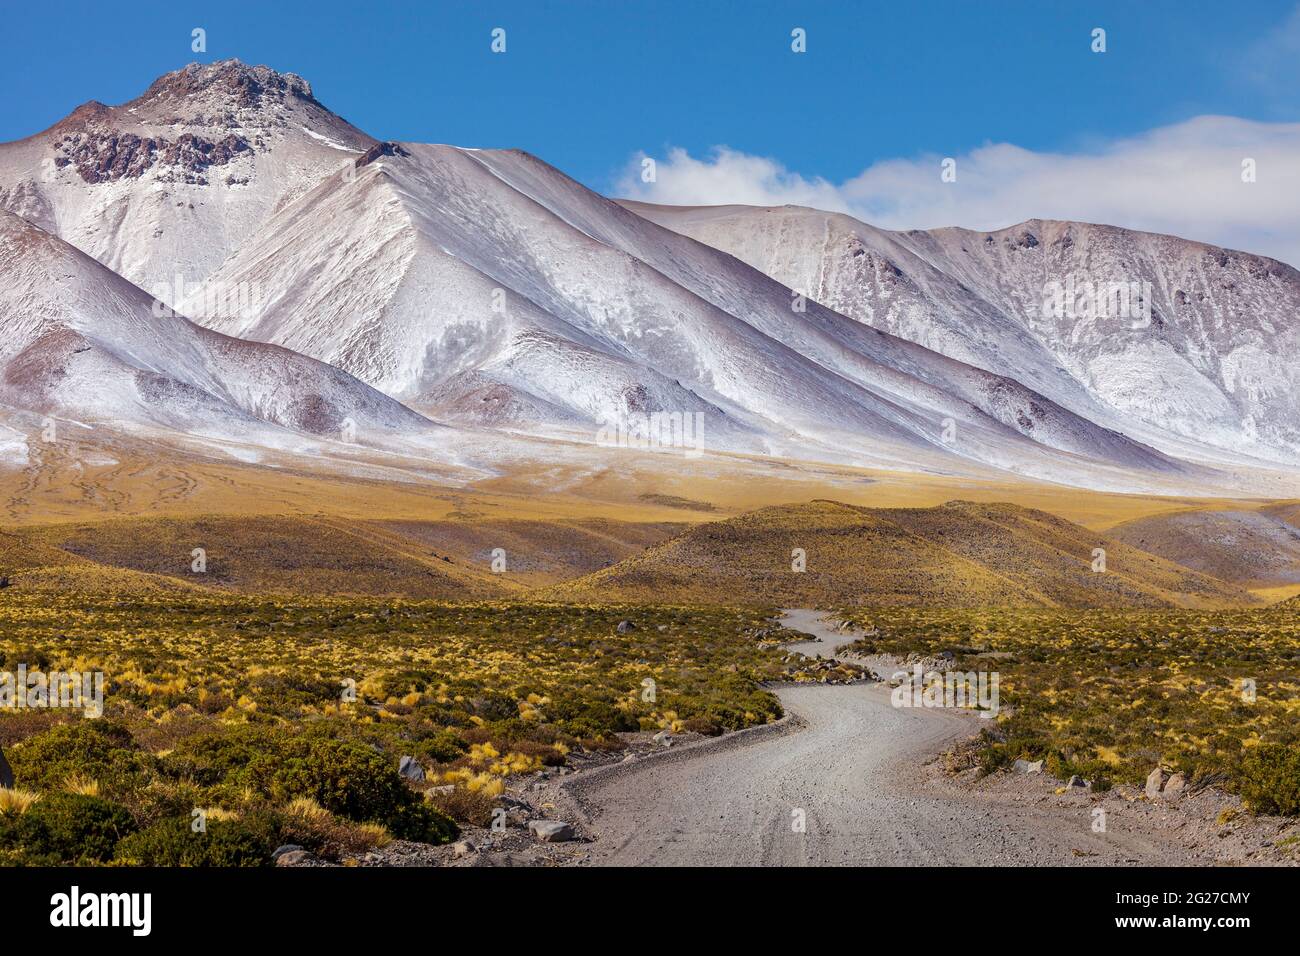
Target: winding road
840,783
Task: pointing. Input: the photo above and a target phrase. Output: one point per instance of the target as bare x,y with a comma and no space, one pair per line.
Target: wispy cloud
1273,63
1184,179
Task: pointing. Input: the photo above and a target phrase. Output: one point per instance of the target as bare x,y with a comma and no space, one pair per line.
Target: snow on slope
170,183
487,288
80,341
1215,362
450,278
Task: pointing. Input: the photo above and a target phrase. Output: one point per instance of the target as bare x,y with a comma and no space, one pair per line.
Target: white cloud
1184,179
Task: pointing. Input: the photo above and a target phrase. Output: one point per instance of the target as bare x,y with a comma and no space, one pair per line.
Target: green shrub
584,717
1270,779
421,822
343,777
247,841
66,828
92,749
349,779
440,746
211,759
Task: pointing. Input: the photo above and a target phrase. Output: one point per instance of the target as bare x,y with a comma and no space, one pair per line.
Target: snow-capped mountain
171,183
1207,352
487,289
486,286
81,342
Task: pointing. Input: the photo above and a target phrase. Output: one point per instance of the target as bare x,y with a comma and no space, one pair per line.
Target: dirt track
849,764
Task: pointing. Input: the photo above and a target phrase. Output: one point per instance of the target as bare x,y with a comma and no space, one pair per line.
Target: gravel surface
849,767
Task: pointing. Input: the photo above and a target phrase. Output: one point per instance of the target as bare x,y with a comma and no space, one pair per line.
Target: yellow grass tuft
374,834
305,808
16,801
84,786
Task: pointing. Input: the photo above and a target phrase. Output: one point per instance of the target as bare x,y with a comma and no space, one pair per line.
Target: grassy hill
318,555
1252,547
960,554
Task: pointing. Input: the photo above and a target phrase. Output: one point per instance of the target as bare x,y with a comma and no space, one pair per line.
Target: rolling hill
956,555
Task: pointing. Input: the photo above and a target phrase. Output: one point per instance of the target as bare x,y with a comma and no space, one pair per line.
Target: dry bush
464,805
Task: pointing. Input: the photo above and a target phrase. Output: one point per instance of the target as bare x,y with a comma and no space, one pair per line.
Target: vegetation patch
233,725
1110,694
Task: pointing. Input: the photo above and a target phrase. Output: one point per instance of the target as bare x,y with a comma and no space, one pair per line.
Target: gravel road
848,766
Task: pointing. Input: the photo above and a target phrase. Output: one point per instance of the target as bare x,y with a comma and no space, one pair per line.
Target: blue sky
588,86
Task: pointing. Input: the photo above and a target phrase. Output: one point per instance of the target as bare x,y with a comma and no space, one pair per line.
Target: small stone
1077,781
551,831
625,626
294,858
663,738
410,769
462,848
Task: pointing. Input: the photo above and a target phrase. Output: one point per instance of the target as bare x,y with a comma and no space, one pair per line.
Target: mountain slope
488,288
955,555
81,341
1210,357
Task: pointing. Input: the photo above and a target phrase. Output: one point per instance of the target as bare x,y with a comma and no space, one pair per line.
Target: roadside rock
551,831
462,848
410,769
295,858
625,626
286,848
1163,784
1028,766
1175,787
1155,783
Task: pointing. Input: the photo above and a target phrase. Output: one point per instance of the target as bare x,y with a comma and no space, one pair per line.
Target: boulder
551,831
1028,766
286,848
1156,782
663,739
625,626
1077,781
462,848
1175,786
410,769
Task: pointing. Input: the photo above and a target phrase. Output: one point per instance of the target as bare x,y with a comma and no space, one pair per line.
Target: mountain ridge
488,289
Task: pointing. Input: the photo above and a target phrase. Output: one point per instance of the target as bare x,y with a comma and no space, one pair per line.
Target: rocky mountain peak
225,84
